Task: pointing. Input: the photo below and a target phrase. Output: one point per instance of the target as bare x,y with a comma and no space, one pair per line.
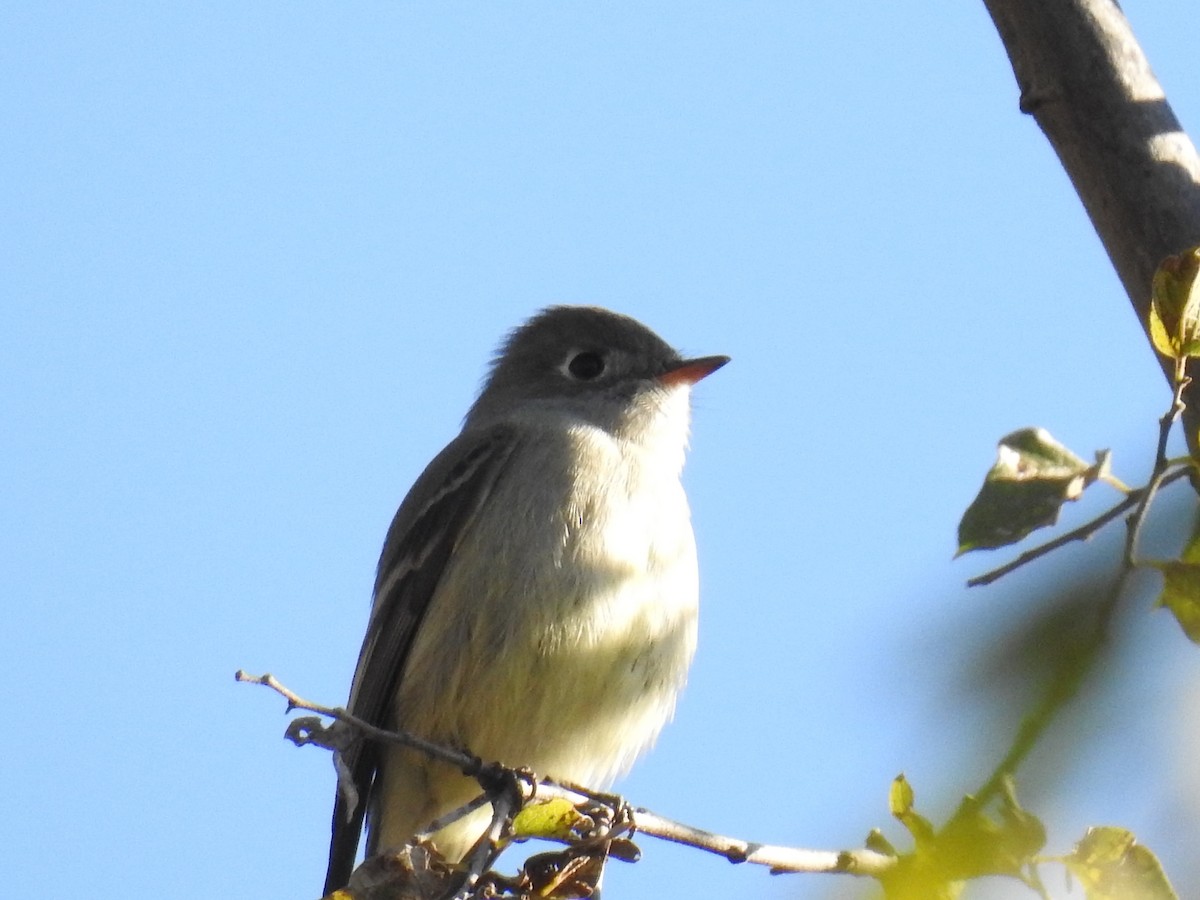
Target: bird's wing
420,541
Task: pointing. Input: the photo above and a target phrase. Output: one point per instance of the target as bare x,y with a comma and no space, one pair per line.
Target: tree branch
1085,80
779,859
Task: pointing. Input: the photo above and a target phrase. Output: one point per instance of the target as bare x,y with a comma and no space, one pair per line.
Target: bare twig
1161,466
1082,533
1138,517
779,859
469,765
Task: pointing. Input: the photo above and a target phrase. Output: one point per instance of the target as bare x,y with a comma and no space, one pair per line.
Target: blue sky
253,261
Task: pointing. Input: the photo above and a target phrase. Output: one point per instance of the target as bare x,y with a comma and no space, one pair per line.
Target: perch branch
778,859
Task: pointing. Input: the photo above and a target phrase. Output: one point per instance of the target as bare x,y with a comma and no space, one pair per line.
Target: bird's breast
575,605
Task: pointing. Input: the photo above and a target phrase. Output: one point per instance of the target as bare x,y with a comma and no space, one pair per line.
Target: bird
536,597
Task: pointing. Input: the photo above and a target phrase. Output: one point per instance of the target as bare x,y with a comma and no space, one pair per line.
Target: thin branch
1082,533
1161,464
1178,405
487,849
470,765
777,858
1138,516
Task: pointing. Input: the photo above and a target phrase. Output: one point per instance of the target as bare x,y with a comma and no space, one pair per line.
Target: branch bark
1087,83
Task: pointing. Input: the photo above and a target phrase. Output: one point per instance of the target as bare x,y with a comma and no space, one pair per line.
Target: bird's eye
586,365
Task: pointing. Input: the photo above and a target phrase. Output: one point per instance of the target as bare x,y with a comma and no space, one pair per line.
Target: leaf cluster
974,843
1005,840
1034,475
1033,478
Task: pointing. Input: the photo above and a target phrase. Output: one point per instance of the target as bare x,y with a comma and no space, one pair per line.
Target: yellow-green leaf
1181,586
552,818
975,843
972,844
1111,865
1181,594
1175,305
1191,550
900,797
900,803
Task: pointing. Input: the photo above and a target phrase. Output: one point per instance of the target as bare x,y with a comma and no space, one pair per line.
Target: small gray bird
536,598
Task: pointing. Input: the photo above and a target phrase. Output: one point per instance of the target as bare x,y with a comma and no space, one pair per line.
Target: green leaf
900,804
1111,865
900,797
1181,594
1174,317
973,844
552,818
1191,550
1033,477
976,844
1181,586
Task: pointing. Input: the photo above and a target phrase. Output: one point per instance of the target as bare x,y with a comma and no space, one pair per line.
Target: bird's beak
689,371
